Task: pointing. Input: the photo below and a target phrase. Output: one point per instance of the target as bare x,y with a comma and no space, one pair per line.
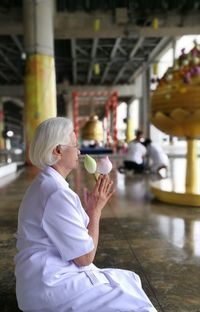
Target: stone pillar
68,98
2,143
130,125
40,83
192,166
69,106
145,103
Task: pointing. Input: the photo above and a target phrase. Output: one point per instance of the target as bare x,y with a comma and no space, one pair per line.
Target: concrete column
69,106
40,83
174,43
192,167
2,144
68,99
130,125
145,103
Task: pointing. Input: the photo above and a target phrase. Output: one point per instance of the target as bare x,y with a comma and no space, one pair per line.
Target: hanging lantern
155,69
96,69
97,24
155,23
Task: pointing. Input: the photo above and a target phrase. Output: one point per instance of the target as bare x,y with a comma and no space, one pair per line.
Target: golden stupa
175,110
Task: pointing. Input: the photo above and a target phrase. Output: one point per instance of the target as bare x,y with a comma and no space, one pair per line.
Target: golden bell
93,129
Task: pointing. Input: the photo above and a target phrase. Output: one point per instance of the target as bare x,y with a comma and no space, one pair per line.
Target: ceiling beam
136,48
160,47
81,25
105,59
93,55
123,90
131,56
74,64
82,51
18,43
122,51
10,64
112,55
115,48
9,49
4,76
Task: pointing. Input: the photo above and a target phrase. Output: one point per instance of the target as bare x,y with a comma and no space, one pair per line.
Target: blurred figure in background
139,136
157,156
135,155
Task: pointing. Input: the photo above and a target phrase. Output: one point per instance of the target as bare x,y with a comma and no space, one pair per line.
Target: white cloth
135,152
157,156
52,231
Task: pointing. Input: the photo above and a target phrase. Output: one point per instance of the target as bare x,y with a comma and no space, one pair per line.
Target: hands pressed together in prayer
97,199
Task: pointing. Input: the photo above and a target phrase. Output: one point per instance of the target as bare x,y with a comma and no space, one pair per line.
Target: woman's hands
97,199
94,203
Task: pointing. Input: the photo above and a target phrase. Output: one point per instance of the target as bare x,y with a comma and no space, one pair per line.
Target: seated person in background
139,137
136,152
157,156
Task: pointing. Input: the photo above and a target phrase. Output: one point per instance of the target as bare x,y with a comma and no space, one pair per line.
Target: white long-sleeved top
52,231
136,152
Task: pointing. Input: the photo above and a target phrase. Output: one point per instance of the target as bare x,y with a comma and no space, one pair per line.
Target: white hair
50,133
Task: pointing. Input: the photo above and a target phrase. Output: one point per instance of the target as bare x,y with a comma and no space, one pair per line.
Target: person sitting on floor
158,158
135,155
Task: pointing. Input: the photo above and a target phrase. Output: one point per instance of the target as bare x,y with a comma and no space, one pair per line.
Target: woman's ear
57,151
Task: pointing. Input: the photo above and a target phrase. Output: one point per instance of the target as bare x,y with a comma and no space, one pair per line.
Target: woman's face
70,153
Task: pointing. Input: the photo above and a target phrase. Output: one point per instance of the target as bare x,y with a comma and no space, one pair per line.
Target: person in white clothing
57,238
157,156
135,155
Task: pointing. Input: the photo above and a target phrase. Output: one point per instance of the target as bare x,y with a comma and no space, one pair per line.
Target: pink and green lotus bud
90,164
104,165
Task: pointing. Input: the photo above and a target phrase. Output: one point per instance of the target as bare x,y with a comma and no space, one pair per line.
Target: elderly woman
57,238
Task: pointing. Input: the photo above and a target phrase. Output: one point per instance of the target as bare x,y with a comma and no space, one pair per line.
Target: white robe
157,157
52,231
136,152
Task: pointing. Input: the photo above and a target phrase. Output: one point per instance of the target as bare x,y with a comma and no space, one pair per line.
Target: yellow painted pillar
130,130
129,125
40,82
40,92
191,169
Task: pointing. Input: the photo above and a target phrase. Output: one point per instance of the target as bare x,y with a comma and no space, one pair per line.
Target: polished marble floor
160,242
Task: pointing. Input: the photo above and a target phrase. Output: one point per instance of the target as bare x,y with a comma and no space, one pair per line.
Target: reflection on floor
158,241
177,177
